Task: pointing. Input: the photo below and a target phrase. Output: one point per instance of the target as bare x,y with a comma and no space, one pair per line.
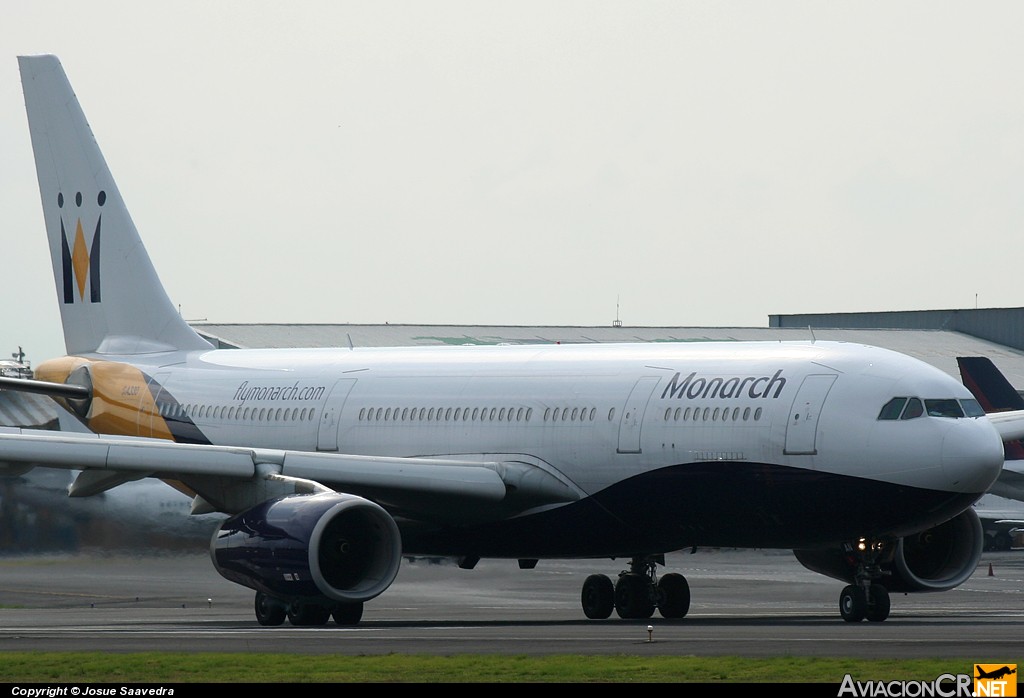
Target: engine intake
939,559
339,546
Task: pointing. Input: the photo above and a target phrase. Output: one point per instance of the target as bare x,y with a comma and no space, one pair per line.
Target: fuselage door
802,428
330,415
633,414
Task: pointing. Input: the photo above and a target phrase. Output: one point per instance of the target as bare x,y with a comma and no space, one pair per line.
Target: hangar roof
937,347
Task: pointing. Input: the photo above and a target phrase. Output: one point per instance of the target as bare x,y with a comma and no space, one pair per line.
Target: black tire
269,611
633,596
673,595
348,613
598,597
853,604
301,614
879,604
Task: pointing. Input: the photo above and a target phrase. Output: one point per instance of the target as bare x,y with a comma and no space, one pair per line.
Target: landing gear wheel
853,604
633,596
673,595
867,597
348,613
878,604
598,597
269,611
308,614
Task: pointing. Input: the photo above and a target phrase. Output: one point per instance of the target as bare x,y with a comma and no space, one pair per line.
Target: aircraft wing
114,460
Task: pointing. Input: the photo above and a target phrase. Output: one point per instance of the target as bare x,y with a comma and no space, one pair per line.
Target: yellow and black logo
80,262
995,680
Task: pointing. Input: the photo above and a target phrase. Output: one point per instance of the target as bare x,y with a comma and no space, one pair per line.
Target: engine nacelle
308,547
938,559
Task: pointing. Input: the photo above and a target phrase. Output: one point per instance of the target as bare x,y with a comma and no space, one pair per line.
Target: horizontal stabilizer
27,385
1010,425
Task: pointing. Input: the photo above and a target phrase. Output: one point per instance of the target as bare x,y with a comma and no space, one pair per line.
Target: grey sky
705,163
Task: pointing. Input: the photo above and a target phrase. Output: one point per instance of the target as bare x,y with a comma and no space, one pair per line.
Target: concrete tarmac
749,603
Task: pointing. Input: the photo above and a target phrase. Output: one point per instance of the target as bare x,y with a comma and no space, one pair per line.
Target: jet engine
937,559
333,545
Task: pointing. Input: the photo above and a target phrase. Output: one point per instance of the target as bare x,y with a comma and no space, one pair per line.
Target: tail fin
111,300
988,384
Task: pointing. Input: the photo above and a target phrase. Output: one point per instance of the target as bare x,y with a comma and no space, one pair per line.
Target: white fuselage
595,413
732,422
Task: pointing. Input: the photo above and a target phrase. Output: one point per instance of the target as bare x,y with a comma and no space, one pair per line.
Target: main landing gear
866,597
271,611
636,593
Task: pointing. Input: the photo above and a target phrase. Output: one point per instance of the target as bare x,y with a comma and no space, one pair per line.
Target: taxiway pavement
748,603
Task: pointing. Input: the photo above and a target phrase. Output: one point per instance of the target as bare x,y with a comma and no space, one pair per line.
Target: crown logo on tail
80,263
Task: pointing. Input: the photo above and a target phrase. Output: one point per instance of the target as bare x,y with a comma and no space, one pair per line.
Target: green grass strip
160,667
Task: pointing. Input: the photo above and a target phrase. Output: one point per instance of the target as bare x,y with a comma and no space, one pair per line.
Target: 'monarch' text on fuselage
694,388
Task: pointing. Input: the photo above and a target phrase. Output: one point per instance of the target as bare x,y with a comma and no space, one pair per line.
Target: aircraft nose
972,455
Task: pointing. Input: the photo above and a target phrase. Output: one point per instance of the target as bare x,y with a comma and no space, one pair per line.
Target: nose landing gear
866,597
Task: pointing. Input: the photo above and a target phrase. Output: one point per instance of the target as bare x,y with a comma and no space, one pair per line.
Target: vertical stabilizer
111,300
988,384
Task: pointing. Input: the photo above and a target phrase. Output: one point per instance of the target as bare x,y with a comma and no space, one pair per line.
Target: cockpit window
892,409
944,408
972,408
914,409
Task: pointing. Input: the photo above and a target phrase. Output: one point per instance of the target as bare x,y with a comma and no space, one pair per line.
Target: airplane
332,465
37,516
1002,520
1002,510
998,398
995,674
